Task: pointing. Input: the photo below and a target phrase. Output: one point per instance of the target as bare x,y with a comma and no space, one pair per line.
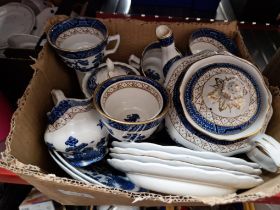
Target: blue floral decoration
132,118
152,74
134,136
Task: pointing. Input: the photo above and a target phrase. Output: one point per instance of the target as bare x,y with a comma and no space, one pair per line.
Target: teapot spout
169,52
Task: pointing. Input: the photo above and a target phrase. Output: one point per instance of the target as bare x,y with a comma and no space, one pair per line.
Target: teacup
81,42
75,130
103,72
131,107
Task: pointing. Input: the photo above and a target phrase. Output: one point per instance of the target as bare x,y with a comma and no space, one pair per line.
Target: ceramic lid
223,99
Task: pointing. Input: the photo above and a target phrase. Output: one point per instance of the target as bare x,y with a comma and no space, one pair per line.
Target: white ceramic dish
187,173
23,41
147,159
100,176
253,128
66,169
173,186
36,5
41,20
186,158
183,151
15,18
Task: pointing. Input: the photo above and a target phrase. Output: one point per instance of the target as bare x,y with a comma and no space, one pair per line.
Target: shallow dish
210,39
147,159
184,151
187,158
23,41
187,173
15,18
103,176
182,187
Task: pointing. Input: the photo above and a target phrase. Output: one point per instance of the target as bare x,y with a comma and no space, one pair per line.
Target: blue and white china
101,174
225,97
74,129
131,107
169,52
210,39
150,62
180,129
103,72
81,42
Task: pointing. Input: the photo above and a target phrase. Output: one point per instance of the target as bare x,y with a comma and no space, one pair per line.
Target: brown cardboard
26,153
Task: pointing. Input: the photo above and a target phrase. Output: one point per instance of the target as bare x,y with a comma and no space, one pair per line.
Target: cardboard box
26,153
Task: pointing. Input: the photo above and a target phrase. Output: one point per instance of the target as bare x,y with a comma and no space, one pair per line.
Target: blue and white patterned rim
109,82
187,125
218,36
204,123
91,84
63,26
62,107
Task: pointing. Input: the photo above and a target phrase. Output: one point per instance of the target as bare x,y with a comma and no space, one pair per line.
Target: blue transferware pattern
134,136
59,110
218,36
166,41
81,155
177,126
152,74
102,174
81,59
202,121
132,118
115,127
188,126
92,82
167,66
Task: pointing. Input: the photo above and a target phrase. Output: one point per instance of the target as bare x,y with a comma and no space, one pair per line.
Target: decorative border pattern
182,126
209,40
131,84
79,30
228,43
214,126
61,114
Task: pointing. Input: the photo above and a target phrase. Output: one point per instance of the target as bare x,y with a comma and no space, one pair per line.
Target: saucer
220,98
210,39
15,18
101,174
23,41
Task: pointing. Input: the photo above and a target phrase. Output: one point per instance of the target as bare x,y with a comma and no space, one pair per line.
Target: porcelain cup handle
134,61
265,152
114,49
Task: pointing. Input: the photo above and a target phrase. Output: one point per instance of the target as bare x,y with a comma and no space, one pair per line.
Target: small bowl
131,107
210,39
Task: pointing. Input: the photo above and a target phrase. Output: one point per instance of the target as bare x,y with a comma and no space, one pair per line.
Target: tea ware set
213,104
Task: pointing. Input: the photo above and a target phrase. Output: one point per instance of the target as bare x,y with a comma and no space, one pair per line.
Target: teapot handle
265,151
134,61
